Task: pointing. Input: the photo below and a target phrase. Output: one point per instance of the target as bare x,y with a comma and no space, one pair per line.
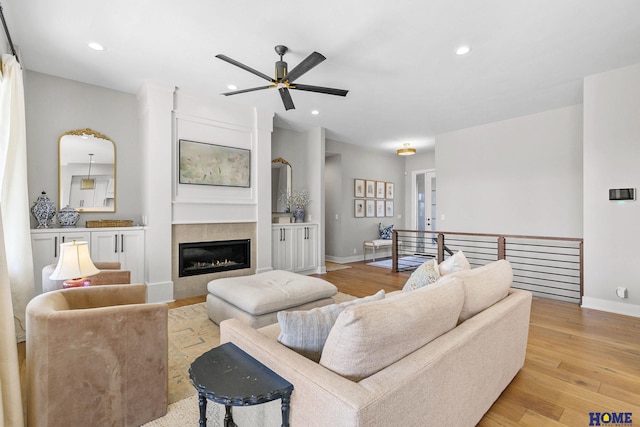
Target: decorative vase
298,214
43,210
68,217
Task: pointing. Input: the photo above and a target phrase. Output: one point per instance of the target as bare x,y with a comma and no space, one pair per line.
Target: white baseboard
343,260
611,306
355,258
160,292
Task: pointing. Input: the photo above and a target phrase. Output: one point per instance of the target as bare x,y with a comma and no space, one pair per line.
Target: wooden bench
373,245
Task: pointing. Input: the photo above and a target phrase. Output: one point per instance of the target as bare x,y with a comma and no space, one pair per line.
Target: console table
229,376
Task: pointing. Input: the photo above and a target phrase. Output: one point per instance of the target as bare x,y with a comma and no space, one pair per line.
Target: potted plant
297,202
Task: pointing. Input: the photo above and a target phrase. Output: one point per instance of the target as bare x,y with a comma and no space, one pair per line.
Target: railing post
581,250
502,248
394,251
440,247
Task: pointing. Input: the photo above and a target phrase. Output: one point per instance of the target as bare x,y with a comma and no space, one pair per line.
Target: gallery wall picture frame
389,190
201,163
359,208
389,208
380,189
380,208
370,208
358,188
370,189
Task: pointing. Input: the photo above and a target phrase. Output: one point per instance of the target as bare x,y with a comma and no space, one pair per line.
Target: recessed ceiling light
315,112
463,50
95,46
232,87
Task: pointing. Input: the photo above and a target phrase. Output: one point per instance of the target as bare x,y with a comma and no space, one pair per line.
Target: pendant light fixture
406,150
89,183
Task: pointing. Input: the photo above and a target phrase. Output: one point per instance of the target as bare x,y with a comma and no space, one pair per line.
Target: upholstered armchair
96,356
110,274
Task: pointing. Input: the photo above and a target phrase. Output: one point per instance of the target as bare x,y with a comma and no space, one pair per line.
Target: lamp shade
74,262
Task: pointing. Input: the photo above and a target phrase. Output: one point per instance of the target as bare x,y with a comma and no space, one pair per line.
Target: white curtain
14,196
16,264
11,414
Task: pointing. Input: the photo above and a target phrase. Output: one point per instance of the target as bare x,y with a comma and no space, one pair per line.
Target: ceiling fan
284,80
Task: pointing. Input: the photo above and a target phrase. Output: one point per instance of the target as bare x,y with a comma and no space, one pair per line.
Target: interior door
424,209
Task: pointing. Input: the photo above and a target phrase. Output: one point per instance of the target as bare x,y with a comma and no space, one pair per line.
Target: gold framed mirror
281,182
86,171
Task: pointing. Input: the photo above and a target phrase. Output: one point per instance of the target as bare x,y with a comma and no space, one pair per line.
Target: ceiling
397,59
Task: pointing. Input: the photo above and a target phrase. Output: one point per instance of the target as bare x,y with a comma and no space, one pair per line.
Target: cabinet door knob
122,243
115,238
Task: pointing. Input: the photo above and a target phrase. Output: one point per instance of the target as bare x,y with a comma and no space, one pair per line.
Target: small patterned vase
298,214
68,217
43,210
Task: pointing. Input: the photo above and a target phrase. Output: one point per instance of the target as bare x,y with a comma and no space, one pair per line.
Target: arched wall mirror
281,181
87,171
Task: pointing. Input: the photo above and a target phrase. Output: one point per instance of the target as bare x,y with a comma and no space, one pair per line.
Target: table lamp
74,265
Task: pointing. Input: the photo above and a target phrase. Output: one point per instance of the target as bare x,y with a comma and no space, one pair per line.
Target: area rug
403,263
186,412
191,333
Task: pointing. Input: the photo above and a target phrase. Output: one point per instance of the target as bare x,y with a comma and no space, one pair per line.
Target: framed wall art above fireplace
209,164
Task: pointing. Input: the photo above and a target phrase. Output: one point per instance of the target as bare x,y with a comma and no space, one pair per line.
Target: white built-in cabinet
125,245
295,247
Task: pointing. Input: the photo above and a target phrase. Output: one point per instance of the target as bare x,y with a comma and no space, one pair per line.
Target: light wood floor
578,360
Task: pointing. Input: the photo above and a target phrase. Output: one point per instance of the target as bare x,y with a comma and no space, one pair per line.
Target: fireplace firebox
212,257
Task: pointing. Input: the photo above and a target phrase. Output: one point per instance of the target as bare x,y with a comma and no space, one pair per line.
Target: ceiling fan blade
320,89
244,67
286,98
309,62
235,92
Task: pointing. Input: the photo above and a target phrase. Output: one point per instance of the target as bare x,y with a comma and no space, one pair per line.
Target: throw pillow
305,331
385,232
484,286
457,262
369,337
424,275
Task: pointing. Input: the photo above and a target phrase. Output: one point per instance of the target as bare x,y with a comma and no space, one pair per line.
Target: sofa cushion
456,262
424,275
367,338
484,286
305,331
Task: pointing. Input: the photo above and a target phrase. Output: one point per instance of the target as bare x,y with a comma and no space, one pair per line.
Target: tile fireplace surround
185,287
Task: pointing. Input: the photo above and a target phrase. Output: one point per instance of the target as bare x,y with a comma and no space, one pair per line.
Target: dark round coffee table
229,376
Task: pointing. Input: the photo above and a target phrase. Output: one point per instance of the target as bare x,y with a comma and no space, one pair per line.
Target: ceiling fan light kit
284,80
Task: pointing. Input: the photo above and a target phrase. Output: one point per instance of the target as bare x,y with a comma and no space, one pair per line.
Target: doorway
423,209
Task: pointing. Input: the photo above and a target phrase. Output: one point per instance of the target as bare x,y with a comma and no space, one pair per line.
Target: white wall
519,176
305,153
53,106
347,233
292,146
611,160
333,203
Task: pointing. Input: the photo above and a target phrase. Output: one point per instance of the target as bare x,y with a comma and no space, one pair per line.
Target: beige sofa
453,379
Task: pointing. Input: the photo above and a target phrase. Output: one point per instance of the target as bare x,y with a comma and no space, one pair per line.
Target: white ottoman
257,299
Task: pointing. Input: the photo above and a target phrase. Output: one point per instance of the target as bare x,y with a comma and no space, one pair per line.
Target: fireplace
211,257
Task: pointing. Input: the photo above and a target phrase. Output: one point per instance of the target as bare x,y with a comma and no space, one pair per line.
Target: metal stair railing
550,267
